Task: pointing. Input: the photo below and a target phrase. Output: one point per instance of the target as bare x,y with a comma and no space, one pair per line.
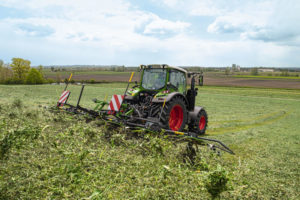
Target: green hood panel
134,91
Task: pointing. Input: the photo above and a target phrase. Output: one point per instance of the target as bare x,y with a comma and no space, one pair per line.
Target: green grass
267,77
46,155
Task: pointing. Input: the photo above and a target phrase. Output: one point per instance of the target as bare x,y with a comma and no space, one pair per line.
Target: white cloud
111,23
171,3
205,8
116,32
103,28
267,20
237,21
243,17
195,7
159,25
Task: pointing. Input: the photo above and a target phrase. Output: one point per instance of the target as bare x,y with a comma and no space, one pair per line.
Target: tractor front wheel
174,115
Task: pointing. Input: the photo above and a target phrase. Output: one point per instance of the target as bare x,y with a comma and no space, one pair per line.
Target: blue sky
132,32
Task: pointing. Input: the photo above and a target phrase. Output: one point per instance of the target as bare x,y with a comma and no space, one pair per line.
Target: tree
40,68
20,68
285,72
58,78
1,69
34,77
254,71
5,72
227,71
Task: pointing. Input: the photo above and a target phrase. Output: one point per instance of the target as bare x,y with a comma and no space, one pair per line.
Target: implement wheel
174,115
200,123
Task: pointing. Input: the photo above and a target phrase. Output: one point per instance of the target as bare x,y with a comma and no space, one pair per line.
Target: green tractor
162,100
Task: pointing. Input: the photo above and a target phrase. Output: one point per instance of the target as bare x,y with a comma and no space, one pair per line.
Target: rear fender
169,97
194,113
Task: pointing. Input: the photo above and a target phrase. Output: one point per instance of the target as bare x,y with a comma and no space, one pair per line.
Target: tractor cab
157,77
160,80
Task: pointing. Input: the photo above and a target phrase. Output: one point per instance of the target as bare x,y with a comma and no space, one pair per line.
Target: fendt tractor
163,99
160,102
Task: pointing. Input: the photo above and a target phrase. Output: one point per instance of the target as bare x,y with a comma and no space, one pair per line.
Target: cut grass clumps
216,181
54,155
17,103
17,138
75,160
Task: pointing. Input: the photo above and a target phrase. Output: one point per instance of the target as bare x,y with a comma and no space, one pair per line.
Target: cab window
154,79
178,80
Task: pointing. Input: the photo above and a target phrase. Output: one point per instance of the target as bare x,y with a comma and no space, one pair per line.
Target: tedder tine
81,91
195,137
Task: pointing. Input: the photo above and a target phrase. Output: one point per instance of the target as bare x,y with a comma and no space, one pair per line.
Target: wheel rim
202,123
176,118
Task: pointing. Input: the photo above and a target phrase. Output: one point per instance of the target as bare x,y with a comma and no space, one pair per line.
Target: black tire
199,125
171,107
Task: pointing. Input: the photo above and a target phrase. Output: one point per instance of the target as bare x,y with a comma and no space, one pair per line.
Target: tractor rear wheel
200,123
174,115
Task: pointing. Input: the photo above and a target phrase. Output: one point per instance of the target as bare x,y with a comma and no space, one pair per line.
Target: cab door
178,79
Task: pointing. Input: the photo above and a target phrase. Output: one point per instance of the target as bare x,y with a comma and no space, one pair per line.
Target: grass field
46,155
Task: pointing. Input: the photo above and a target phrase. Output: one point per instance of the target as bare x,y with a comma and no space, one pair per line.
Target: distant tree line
113,68
20,72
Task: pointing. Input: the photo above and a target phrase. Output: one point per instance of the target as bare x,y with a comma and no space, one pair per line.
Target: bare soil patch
245,82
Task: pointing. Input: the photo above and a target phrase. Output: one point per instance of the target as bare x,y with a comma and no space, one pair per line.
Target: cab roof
163,66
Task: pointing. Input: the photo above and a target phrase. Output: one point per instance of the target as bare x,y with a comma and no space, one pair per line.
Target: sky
132,32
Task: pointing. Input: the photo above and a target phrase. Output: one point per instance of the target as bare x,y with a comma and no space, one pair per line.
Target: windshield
154,79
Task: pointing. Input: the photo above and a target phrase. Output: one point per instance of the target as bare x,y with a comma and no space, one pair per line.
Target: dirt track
245,82
214,81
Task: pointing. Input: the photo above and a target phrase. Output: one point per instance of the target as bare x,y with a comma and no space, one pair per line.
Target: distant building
235,68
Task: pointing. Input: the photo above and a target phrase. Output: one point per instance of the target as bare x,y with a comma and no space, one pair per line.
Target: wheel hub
176,118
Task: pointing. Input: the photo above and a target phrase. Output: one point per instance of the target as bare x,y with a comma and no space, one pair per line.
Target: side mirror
200,80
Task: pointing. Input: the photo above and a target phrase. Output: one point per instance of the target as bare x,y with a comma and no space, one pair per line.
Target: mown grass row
63,157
